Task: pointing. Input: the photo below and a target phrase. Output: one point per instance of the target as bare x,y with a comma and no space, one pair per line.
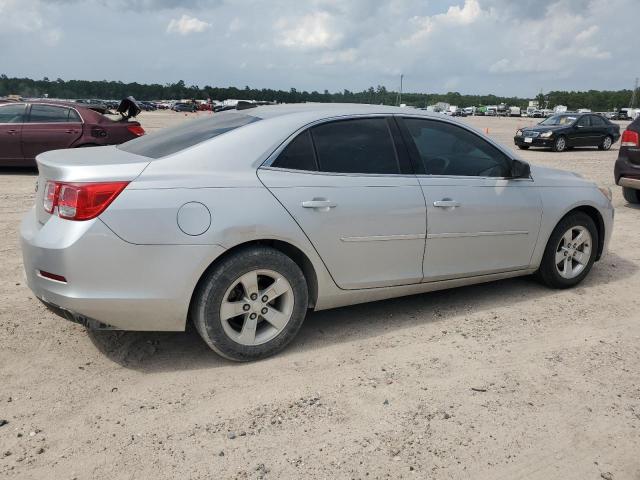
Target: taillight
50,196
137,130
630,139
81,201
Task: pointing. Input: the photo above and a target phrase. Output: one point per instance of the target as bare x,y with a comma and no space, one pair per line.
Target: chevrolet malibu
243,221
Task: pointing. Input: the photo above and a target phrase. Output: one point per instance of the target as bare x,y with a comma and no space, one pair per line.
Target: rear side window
12,113
298,155
48,114
597,121
446,149
355,146
172,140
584,121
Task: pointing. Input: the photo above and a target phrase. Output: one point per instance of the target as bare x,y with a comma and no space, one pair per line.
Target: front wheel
560,145
606,143
251,305
631,195
570,252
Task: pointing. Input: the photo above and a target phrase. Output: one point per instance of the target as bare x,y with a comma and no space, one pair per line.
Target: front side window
446,149
49,114
298,155
12,113
355,146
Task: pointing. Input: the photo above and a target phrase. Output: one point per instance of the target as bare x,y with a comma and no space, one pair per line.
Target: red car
30,128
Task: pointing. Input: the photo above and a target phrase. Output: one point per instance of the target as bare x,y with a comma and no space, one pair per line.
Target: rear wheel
631,195
570,252
523,147
560,145
252,305
606,143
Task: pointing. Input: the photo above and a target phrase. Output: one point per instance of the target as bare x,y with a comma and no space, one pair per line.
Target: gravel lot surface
504,380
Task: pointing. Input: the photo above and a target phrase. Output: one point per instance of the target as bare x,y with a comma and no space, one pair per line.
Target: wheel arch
293,252
597,219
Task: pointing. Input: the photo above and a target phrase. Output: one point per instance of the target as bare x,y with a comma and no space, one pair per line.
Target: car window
12,113
355,146
446,149
48,114
298,155
73,116
597,121
583,121
172,140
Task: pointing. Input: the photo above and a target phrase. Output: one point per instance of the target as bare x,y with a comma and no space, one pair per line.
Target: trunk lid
95,164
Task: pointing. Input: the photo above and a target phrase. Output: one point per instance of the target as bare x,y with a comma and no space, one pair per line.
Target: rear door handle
319,203
12,132
446,203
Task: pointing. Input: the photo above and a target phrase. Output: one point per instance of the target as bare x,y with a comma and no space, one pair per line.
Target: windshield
172,140
559,120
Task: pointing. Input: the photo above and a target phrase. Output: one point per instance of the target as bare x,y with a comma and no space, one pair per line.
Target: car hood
553,177
544,128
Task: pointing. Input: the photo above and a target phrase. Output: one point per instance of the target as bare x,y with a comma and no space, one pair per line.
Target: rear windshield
173,139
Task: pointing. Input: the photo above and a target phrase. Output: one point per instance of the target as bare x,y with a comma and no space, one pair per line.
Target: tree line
597,100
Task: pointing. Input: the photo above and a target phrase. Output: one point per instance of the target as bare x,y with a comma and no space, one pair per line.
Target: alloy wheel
606,144
256,307
561,144
573,252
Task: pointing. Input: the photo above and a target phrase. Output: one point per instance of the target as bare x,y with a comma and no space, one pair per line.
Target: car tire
558,271
523,147
560,144
222,293
606,143
631,195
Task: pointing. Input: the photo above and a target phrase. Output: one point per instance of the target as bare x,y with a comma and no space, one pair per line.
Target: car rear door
479,221
349,185
599,129
11,121
50,127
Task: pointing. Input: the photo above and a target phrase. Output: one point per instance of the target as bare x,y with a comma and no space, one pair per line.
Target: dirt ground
505,380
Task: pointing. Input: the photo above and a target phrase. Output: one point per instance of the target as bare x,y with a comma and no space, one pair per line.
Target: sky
503,47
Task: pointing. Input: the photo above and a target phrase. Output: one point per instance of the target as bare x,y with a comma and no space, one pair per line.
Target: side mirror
520,169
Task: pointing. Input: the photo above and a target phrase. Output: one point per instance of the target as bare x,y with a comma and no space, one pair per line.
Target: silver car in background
244,220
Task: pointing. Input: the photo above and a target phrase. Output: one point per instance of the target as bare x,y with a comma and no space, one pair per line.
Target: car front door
349,186
479,220
11,118
49,127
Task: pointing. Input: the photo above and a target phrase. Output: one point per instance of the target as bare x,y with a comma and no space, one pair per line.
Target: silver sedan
242,221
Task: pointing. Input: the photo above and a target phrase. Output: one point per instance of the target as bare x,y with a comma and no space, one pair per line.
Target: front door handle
319,203
12,132
446,203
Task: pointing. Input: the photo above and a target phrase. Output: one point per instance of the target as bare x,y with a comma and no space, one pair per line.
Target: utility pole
633,95
400,95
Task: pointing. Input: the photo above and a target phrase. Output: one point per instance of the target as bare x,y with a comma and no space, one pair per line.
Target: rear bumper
111,283
627,167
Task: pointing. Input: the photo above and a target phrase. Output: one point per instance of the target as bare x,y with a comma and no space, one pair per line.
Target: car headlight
606,191
546,134
519,133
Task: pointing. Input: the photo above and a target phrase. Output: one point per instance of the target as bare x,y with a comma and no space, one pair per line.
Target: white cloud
312,31
186,25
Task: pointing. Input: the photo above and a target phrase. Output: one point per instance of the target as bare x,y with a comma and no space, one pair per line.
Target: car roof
328,110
